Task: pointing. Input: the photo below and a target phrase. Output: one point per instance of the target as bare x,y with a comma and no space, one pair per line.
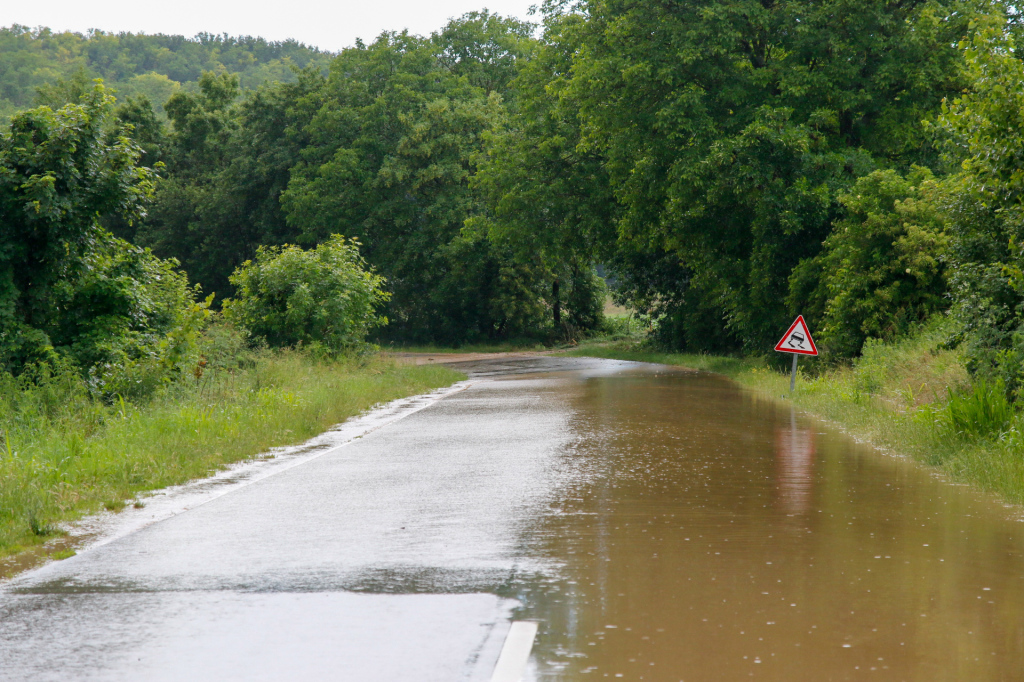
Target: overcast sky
324,24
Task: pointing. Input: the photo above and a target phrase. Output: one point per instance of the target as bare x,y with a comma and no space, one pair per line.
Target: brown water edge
32,557
706,533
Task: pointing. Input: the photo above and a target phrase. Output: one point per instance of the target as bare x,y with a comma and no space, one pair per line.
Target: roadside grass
913,397
64,454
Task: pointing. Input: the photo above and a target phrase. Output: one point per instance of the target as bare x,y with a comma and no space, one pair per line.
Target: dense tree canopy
383,149
545,198
390,157
727,164
985,203
729,129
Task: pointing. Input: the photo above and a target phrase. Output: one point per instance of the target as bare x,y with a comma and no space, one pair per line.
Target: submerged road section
657,524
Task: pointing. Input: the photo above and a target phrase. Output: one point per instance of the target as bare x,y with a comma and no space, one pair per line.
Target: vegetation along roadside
116,375
65,453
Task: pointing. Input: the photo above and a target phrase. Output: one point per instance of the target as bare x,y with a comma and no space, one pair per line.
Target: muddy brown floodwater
702,533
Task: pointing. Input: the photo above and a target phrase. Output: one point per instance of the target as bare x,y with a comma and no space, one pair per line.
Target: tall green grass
64,453
980,411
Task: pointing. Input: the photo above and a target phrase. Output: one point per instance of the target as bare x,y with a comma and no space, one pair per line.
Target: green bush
882,270
324,297
131,321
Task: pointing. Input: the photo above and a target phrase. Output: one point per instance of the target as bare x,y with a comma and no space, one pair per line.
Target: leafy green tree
202,123
69,289
323,297
771,194
228,162
147,130
390,156
882,271
546,199
985,204
486,48
178,225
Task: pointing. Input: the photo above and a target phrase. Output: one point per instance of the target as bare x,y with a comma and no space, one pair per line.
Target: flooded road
707,534
658,524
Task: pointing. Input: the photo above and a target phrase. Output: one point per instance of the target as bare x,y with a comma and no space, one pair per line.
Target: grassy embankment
64,454
912,397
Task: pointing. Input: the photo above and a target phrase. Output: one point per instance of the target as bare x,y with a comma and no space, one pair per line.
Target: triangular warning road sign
797,339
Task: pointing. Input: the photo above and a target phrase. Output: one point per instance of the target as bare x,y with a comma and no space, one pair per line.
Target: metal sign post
797,341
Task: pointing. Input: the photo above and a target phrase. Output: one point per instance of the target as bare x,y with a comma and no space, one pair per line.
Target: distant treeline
153,65
730,163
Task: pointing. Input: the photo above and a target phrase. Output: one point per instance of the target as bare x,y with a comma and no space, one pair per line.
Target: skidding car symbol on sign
797,339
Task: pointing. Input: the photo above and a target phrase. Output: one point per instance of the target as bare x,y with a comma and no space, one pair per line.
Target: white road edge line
515,654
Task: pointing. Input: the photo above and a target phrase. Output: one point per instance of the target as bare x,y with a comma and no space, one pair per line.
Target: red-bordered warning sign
797,339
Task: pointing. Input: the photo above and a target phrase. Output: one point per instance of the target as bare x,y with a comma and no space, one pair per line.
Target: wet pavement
658,524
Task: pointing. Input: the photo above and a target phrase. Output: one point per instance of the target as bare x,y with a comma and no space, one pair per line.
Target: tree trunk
557,303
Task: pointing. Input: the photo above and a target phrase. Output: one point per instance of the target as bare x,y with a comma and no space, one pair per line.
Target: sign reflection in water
794,467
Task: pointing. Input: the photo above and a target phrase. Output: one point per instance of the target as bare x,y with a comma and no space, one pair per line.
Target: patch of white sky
327,25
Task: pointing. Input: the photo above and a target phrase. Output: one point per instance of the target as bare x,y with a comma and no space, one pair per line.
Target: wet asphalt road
381,560
658,524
